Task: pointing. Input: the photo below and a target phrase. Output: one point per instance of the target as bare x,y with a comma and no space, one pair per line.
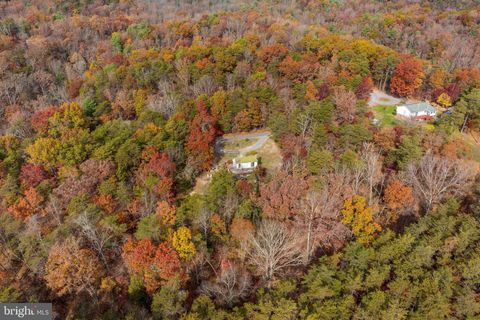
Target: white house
245,163
421,110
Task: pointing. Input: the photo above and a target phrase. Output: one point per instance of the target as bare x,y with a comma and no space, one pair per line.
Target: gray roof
421,106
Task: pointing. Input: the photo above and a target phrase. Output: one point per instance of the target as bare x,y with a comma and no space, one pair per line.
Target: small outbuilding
245,163
421,110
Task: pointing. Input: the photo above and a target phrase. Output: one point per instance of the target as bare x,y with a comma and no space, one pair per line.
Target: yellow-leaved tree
182,242
44,151
310,91
359,218
444,100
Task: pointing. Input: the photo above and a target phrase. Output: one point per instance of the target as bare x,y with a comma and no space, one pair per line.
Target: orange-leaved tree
71,269
28,205
408,76
398,197
154,264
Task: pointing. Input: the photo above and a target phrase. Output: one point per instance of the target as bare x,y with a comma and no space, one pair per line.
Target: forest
110,114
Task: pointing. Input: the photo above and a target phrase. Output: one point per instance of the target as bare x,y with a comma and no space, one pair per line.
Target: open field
270,155
385,114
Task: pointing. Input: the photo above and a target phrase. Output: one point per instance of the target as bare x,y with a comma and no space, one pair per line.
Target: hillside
116,201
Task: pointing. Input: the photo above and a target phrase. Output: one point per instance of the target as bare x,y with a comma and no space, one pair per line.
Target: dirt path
201,183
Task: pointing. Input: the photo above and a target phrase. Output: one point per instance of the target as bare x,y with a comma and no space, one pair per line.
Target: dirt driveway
378,97
261,138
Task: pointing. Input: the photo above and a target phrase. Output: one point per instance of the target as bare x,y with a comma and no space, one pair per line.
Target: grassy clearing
270,155
386,115
238,144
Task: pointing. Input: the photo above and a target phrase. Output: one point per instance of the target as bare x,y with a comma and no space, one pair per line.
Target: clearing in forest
235,145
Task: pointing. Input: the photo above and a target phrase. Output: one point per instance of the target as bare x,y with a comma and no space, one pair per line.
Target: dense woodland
110,111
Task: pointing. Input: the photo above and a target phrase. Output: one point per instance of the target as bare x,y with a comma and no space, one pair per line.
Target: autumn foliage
408,77
398,195
31,174
72,269
28,205
360,219
202,133
166,213
155,264
117,202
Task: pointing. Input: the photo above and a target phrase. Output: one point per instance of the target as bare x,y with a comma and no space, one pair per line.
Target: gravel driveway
261,137
379,97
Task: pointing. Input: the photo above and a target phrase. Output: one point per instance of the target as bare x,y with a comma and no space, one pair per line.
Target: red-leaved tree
31,174
155,264
281,198
408,76
201,138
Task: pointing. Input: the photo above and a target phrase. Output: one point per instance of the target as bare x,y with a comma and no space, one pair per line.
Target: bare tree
206,84
203,220
312,206
231,285
346,104
366,174
161,104
372,169
54,209
304,124
231,81
236,27
320,218
274,249
435,177
11,87
230,206
289,104
356,174
183,74
199,265
98,239
166,100
43,80
149,202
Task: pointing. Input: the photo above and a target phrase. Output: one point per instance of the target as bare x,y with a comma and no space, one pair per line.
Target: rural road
261,137
378,97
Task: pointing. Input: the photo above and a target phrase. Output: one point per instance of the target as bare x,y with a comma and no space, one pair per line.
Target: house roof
421,106
425,117
247,159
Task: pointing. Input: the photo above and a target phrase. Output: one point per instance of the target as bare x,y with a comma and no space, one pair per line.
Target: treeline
428,271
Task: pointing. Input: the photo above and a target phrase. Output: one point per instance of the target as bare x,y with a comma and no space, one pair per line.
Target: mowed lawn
385,114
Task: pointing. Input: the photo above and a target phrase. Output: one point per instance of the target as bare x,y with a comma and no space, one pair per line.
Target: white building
421,110
245,163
